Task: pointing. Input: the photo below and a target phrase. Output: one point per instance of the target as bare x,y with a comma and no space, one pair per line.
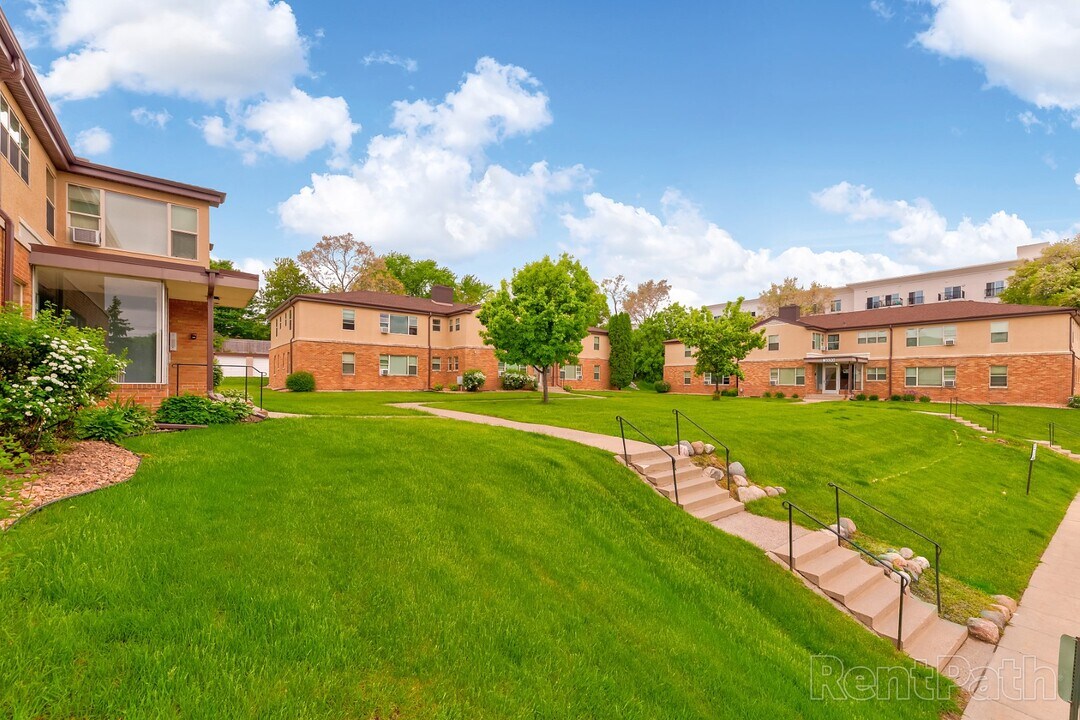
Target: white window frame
386,324
999,331
596,342
832,341
948,332
351,361
948,376
348,317
817,341
773,340
564,368
836,306
596,373
436,363
687,377
883,372
411,366
436,324
873,337
1004,374
778,376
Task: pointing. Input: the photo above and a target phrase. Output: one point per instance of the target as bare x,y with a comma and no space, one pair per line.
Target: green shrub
730,392
780,394
909,397
473,380
861,397
896,398
300,381
662,387
191,409
113,421
219,374
454,387
517,380
437,387
1074,402
924,398
794,396
13,458
873,398
766,394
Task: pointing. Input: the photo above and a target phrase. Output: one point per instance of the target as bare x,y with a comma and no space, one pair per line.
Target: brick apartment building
118,250
979,352
380,341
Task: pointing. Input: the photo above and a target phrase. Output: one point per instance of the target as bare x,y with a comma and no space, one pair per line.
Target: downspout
890,359
429,351
211,285
7,286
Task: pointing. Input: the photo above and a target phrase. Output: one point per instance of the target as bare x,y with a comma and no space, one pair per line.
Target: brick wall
675,376
187,318
22,278
1033,379
588,380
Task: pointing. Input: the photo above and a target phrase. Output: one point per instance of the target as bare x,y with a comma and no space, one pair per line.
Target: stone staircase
872,596
1059,450
962,421
699,494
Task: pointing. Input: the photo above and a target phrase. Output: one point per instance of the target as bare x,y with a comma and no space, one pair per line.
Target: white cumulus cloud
922,235
703,262
292,127
388,58
155,118
428,188
203,49
93,141
1029,47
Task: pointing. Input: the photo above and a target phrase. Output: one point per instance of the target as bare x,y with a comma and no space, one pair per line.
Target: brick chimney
790,313
442,294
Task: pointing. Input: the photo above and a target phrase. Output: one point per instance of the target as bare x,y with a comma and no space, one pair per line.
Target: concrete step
717,509
687,485
808,547
702,497
879,598
653,455
663,476
918,617
936,645
828,565
845,586
661,464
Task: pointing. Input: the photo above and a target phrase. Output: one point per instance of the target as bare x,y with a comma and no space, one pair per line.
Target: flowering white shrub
49,370
473,380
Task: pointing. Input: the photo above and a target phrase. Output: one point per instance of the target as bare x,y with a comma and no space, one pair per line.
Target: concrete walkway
1021,679
611,444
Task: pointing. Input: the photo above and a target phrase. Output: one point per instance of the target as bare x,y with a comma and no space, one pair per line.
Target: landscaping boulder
906,553
740,481
982,629
709,449
714,472
749,494
1005,612
995,617
847,527
686,449
699,447
737,468
781,490
771,491
1006,601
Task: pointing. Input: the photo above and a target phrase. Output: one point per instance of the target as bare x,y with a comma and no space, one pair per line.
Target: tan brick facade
676,377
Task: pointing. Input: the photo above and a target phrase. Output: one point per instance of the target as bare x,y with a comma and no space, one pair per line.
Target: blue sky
721,145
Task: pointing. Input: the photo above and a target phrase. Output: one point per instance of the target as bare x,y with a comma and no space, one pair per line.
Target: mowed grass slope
940,477
352,568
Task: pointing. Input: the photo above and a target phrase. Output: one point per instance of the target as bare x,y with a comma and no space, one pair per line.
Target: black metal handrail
727,451
954,411
888,568
937,546
1054,429
626,455
262,376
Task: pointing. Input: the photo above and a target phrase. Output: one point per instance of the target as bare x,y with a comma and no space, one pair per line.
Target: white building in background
982,283
244,357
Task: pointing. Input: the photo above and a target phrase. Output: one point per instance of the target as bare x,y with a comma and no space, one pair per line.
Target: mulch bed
88,465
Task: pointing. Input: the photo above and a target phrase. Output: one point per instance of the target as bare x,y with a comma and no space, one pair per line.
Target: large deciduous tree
542,314
337,262
621,358
417,276
281,281
720,342
812,300
246,322
649,339
471,289
646,300
1053,278
615,289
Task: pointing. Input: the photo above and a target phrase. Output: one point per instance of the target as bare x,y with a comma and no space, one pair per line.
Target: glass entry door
831,378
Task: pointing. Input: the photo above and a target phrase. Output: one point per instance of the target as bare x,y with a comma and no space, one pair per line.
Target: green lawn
938,476
351,568
1017,421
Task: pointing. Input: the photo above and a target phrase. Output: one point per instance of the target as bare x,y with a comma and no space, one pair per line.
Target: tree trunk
544,381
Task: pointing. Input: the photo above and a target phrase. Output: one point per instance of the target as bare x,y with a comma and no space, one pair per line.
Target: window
833,341
876,374
596,344
936,335
835,306
184,227
457,323
873,337
774,342
50,202
724,379
930,377
893,300
436,364
953,292
787,376
999,376
510,367
84,208
14,141
397,324
873,303
452,363
999,332
397,364
687,377
436,324
595,372
348,319
131,312
687,352
994,288
569,372
348,363
817,341
708,378
915,297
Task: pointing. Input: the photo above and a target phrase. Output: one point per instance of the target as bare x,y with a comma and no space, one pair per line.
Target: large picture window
935,335
397,324
129,310
930,377
133,223
787,376
397,364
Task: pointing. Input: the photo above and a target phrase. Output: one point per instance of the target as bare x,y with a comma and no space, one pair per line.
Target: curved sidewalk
603,442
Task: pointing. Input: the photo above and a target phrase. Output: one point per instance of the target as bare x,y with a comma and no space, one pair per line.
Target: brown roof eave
330,300
81,166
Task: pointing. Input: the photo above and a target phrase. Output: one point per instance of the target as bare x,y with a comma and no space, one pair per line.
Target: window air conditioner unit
384,330
949,383
384,372
86,236
950,341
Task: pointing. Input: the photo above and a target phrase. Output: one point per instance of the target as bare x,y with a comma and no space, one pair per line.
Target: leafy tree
649,339
246,322
720,342
646,300
471,289
280,282
376,277
337,262
541,316
1051,279
417,276
622,351
811,300
615,289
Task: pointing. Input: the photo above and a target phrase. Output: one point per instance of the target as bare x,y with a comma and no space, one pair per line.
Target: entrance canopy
836,359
